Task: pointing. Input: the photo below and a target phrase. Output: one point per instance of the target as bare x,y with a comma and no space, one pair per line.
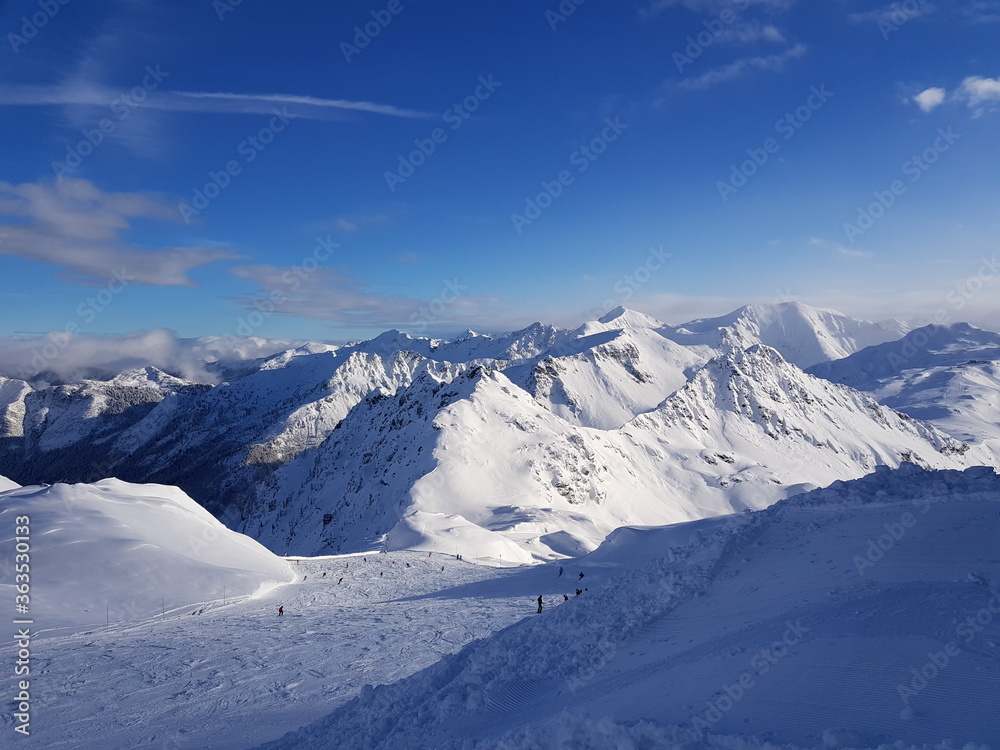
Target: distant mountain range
535,443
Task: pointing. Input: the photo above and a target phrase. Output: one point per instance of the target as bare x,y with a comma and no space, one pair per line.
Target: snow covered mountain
946,375
476,464
128,551
804,335
526,445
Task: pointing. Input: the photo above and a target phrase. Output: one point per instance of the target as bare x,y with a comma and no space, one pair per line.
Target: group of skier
565,596
281,609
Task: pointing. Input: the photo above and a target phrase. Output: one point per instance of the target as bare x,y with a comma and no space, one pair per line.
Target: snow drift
113,550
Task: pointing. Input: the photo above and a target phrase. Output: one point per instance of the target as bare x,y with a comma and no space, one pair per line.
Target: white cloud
74,225
977,90
737,68
930,98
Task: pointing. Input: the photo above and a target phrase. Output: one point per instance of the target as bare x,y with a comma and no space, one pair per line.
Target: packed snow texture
114,550
860,615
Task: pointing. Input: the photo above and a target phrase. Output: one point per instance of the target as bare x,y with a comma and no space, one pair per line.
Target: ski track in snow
231,676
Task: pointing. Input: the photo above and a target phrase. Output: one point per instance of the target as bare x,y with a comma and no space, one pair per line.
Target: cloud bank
73,225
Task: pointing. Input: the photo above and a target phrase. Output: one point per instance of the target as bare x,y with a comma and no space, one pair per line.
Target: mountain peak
804,335
624,317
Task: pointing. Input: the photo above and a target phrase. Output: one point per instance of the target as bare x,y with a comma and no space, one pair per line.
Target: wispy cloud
711,6
983,11
896,13
751,33
73,225
353,222
228,102
331,294
88,93
838,249
744,65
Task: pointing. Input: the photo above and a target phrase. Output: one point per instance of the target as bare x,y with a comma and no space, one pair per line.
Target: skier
560,572
539,602
581,577
281,611
565,597
340,581
578,592
324,574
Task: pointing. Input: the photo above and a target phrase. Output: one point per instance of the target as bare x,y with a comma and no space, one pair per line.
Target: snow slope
946,375
129,549
860,615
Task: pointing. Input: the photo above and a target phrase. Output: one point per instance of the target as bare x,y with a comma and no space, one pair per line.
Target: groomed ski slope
673,619
228,676
783,626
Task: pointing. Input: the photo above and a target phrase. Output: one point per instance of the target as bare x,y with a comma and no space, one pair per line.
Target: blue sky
482,165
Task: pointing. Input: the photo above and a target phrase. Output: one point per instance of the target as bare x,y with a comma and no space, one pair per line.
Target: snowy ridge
476,463
804,335
757,386
134,549
12,395
643,656
946,375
